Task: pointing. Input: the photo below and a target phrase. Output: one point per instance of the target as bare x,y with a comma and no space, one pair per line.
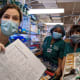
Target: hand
2,48
58,72
61,78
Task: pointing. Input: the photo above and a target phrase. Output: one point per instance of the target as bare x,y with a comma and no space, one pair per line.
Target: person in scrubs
74,44
53,50
10,18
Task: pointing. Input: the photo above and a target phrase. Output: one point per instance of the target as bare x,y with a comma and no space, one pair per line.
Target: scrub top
54,51
69,49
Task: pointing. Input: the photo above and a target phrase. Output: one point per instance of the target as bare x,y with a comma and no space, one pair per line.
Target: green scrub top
69,49
54,51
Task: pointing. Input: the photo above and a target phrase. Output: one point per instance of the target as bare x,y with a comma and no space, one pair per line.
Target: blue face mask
8,27
57,35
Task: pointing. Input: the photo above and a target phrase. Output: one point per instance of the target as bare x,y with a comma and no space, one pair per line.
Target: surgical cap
56,26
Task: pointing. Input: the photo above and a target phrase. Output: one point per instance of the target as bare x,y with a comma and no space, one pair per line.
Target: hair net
56,26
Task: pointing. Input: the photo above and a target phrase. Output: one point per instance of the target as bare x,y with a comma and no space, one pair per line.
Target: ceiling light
54,23
45,11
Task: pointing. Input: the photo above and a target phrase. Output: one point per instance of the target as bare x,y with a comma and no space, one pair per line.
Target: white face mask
75,38
9,27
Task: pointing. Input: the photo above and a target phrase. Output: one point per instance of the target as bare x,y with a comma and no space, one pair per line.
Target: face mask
57,35
8,27
75,38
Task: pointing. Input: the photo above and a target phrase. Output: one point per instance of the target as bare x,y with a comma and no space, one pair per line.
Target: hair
74,28
10,6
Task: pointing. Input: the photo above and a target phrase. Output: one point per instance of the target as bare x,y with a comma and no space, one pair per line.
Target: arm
60,60
58,71
63,64
64,58
62,67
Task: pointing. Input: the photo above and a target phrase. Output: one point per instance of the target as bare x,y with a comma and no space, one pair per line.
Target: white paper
19,63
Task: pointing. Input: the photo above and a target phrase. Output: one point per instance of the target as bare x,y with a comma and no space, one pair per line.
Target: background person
74,44
53,50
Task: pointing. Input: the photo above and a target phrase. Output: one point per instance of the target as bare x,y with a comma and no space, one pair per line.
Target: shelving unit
2,3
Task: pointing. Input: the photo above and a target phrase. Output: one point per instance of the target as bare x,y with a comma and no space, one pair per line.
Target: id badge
49,50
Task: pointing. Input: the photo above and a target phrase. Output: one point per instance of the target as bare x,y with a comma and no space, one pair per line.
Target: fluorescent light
45,11
54,23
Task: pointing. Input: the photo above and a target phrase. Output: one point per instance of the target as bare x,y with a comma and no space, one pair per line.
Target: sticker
55,47
49,50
